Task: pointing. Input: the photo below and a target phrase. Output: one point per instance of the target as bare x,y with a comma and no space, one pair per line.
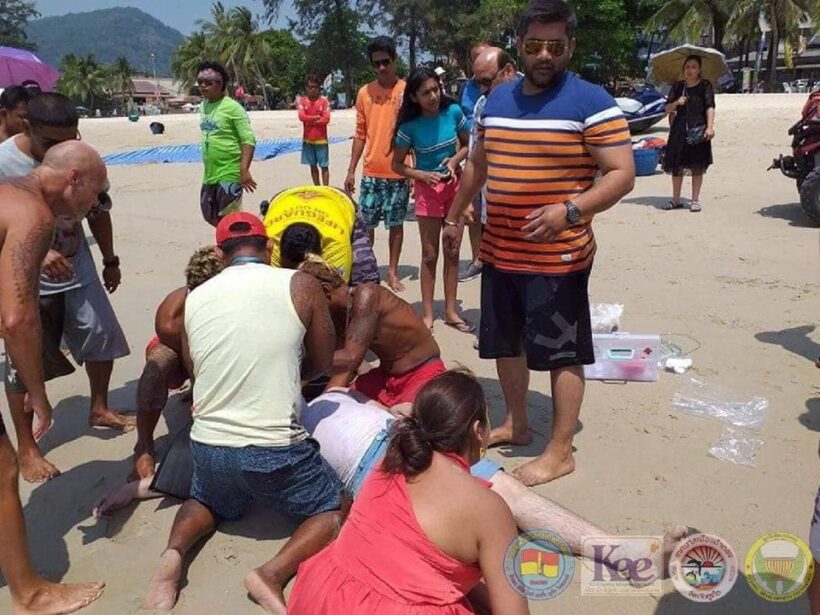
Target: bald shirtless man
163,369
371,317
66,184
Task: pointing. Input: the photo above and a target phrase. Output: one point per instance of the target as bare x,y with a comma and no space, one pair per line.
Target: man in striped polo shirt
543,140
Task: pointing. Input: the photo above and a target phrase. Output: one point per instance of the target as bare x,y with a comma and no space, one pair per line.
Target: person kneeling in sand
370,317
323,221
163,369
353,433
246,441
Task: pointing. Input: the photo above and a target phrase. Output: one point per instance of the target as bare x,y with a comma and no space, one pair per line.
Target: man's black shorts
543,317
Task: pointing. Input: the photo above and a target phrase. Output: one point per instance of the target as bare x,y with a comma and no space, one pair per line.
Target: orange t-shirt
377,109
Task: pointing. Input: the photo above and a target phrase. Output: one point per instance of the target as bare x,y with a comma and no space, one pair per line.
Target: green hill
108,34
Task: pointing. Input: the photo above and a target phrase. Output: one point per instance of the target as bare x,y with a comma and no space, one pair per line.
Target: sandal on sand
670,205
694,207
462,326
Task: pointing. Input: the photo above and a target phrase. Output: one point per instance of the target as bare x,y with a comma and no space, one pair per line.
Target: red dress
382,563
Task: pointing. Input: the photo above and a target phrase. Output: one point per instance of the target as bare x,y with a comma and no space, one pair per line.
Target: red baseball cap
239,224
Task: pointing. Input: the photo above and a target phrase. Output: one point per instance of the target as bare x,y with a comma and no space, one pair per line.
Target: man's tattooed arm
26,259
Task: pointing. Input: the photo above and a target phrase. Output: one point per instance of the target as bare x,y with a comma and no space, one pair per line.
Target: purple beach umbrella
19,65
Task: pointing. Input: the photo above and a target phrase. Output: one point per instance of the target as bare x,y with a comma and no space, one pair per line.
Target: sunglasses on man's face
555,48
205,82
380,63
487,82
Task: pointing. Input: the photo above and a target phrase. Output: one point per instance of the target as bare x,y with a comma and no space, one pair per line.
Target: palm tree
231,37
785,19
242,47
119,79
686,19
83,79
193,50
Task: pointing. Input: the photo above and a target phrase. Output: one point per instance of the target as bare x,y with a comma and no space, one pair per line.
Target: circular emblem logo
539,564
779,567
703,567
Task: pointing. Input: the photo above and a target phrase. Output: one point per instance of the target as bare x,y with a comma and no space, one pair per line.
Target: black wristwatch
111,262
573,213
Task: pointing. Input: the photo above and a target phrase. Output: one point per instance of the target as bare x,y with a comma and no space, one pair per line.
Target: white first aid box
624,356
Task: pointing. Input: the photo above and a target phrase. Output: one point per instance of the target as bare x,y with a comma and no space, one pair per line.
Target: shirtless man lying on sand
371,317
163,369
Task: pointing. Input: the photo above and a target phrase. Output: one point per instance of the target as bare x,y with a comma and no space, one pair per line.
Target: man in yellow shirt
323,221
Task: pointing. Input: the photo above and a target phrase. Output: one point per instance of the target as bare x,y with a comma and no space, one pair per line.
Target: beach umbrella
19,65
667,66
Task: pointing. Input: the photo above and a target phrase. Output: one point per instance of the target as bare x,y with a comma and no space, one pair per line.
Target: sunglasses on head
555,48
380,63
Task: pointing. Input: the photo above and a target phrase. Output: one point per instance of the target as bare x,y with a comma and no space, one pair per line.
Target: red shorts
435,201
391,390
178,377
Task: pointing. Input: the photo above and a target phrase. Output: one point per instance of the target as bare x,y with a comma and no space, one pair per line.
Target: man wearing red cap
246,441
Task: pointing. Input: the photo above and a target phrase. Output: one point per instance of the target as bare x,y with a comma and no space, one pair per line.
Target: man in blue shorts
384,194
246,440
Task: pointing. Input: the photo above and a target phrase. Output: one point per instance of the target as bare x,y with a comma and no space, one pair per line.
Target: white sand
741,278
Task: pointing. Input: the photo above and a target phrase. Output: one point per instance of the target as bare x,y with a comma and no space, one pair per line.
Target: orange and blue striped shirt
537,154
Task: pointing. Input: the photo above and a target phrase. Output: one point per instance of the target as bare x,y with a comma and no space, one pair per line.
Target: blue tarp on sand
193,153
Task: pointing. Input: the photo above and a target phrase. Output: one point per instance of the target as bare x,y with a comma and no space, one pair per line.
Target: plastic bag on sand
700,399
606,317
737,447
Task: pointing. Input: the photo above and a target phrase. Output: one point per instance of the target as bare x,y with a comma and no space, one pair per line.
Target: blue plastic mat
193,153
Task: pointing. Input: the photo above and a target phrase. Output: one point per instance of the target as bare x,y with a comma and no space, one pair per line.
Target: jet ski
643,110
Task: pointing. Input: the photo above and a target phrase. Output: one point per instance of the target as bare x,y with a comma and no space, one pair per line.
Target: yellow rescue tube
327,209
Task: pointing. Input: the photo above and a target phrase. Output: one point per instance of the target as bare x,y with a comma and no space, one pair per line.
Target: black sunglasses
380,63
487,82
205,82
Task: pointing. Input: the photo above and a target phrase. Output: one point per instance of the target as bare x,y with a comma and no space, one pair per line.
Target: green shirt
225,129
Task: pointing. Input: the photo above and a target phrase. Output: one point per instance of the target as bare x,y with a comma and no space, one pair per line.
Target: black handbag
695,134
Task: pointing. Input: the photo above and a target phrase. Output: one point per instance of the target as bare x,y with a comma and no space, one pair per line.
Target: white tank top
245,339
344,428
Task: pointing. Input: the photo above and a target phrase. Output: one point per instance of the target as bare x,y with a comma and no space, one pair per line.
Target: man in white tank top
252,334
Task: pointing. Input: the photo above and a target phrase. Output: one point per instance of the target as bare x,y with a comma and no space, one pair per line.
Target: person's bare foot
164,588
545,468
143,467
506,434
395,283
269,593
112,420
55,598
34,468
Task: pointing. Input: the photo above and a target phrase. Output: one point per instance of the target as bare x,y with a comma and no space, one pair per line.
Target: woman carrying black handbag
691,103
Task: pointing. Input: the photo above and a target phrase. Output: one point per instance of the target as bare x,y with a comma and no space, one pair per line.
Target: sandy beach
741,279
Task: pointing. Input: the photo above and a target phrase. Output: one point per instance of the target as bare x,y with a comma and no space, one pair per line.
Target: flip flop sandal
694,207
462,327
670,205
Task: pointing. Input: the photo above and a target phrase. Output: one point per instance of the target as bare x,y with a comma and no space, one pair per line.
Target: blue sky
179,14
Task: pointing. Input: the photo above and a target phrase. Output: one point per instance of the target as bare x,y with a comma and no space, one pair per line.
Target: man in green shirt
227,145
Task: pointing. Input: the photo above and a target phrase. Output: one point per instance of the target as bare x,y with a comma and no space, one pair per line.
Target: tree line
615,37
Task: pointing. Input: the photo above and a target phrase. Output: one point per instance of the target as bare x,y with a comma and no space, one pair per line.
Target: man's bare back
400,339
169,319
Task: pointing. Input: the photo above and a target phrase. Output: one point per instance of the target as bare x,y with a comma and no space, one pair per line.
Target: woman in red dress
422,532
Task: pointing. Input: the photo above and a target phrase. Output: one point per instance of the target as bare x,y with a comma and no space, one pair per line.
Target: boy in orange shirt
314,113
